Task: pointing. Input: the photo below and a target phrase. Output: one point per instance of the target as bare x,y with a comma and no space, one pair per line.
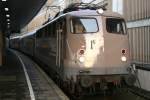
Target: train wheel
78,94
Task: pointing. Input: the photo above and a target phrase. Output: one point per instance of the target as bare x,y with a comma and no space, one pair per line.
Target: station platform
22,79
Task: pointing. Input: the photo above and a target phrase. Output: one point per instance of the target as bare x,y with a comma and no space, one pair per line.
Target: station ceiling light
8,26
8,23
6,9
4,0
8,20
7,15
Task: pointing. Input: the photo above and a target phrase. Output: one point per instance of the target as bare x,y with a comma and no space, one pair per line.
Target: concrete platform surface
22,79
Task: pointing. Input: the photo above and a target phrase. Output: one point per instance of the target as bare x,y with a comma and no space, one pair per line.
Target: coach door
60,44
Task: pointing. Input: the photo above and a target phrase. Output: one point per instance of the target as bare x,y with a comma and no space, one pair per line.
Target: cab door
60,44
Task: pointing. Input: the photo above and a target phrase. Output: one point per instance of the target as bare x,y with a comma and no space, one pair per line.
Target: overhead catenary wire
101,2
55,6
91,1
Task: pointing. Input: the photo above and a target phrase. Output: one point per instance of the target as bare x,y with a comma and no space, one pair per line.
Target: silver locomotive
81,48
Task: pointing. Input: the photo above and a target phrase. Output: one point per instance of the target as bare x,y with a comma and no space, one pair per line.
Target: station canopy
15,14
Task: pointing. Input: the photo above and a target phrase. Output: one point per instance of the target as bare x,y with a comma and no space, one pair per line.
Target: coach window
46,31
49,31
54,34
39,34
114,25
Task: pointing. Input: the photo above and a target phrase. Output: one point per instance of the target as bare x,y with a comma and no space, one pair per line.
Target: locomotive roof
80,13
94,12
86,13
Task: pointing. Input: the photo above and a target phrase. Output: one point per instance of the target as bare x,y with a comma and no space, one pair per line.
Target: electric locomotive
83,48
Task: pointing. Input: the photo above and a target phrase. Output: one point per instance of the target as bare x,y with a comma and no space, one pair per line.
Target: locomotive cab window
83,25
114,25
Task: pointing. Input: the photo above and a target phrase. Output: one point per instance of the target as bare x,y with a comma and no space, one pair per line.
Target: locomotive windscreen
114,25
83,25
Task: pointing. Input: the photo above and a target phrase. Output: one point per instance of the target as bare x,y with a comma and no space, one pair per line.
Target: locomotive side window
114,25
83,25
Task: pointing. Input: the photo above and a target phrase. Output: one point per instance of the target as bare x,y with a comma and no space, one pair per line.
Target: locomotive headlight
81,59
123,58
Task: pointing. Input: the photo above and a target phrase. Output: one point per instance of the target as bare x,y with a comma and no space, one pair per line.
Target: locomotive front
97,49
